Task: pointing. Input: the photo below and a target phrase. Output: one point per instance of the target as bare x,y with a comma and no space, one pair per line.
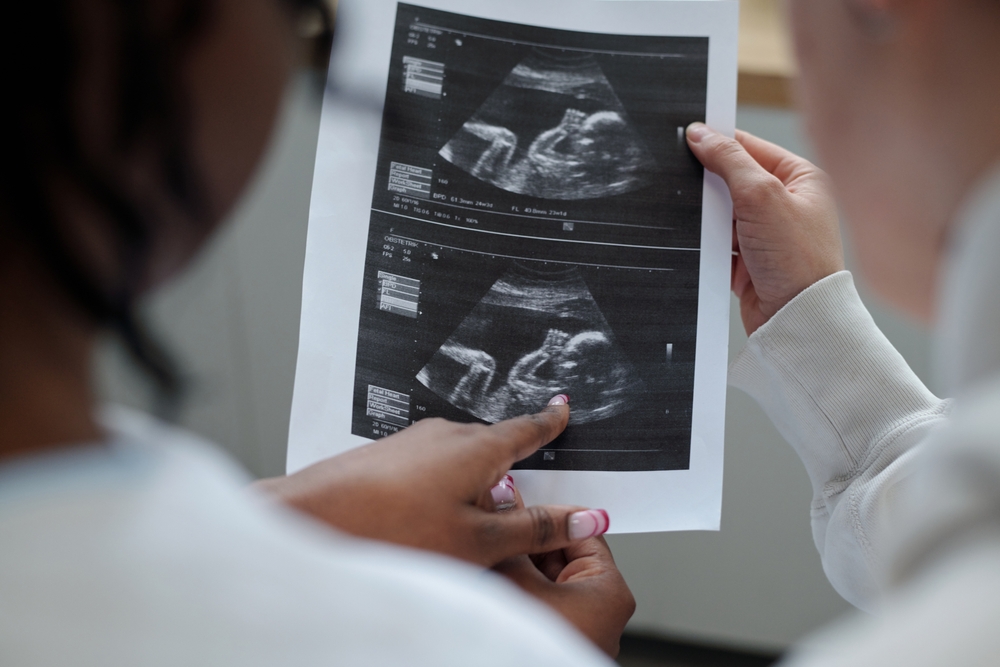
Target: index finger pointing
518,438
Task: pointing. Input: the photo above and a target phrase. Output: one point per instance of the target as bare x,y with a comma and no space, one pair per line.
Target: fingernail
696,132
561,399
510,480
588,523
503,494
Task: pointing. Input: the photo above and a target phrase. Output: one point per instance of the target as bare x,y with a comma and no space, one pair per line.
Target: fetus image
531,337
591,151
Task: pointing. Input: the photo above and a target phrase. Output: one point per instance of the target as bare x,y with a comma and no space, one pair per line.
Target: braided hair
40,137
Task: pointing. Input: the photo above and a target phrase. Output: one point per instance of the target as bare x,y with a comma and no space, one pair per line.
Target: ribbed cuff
829,379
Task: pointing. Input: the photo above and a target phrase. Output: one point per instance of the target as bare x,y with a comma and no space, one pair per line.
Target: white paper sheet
608,76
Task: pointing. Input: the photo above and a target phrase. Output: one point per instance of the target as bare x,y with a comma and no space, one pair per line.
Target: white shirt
150,551
906,503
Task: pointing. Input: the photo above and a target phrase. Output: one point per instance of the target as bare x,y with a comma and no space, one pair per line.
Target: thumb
729,159
540,529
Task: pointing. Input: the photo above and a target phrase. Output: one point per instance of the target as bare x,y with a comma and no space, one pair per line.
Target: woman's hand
582,583
785,225
429,487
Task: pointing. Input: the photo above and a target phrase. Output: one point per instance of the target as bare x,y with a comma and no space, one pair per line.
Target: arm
854,412
831,382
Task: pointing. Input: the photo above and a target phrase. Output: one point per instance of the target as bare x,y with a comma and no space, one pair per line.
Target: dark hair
40,55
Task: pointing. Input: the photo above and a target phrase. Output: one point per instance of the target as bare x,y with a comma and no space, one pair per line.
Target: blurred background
739,596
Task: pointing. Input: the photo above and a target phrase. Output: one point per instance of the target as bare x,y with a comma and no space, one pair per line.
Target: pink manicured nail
503,494
588,523
561,399
510,480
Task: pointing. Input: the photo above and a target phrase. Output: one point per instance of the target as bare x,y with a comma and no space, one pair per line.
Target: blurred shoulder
173,560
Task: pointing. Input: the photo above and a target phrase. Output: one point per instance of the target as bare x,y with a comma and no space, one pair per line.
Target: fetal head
603,132
582,354
603,121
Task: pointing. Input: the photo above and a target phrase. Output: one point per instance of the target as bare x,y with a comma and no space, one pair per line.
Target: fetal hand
583,584
785,226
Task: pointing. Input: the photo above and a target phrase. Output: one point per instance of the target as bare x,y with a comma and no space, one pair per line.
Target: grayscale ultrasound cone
534,335
554,129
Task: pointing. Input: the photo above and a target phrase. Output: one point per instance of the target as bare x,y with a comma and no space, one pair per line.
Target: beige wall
233,320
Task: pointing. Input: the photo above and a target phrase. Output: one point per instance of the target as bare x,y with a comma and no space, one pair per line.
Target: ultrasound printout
535,230
504,208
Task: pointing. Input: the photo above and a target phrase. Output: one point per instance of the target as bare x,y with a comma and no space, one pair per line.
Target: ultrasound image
593,151
535,230
534,335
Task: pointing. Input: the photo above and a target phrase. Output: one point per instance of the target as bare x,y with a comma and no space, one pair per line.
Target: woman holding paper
130,128
901,98
128,542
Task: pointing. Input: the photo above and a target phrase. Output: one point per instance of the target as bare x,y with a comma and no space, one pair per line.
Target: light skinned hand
785,223
582,583
429,486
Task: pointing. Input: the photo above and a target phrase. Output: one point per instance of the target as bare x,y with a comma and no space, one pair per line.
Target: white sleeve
854,412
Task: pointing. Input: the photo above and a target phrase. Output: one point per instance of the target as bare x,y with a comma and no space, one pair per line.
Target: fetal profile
534,335
591,151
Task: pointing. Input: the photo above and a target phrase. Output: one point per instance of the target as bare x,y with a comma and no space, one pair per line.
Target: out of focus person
902,101
128,129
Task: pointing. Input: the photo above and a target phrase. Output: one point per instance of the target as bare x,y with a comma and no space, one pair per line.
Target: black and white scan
496,375
592,151
535,230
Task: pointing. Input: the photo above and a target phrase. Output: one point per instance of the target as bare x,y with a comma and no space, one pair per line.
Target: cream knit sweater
906,502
